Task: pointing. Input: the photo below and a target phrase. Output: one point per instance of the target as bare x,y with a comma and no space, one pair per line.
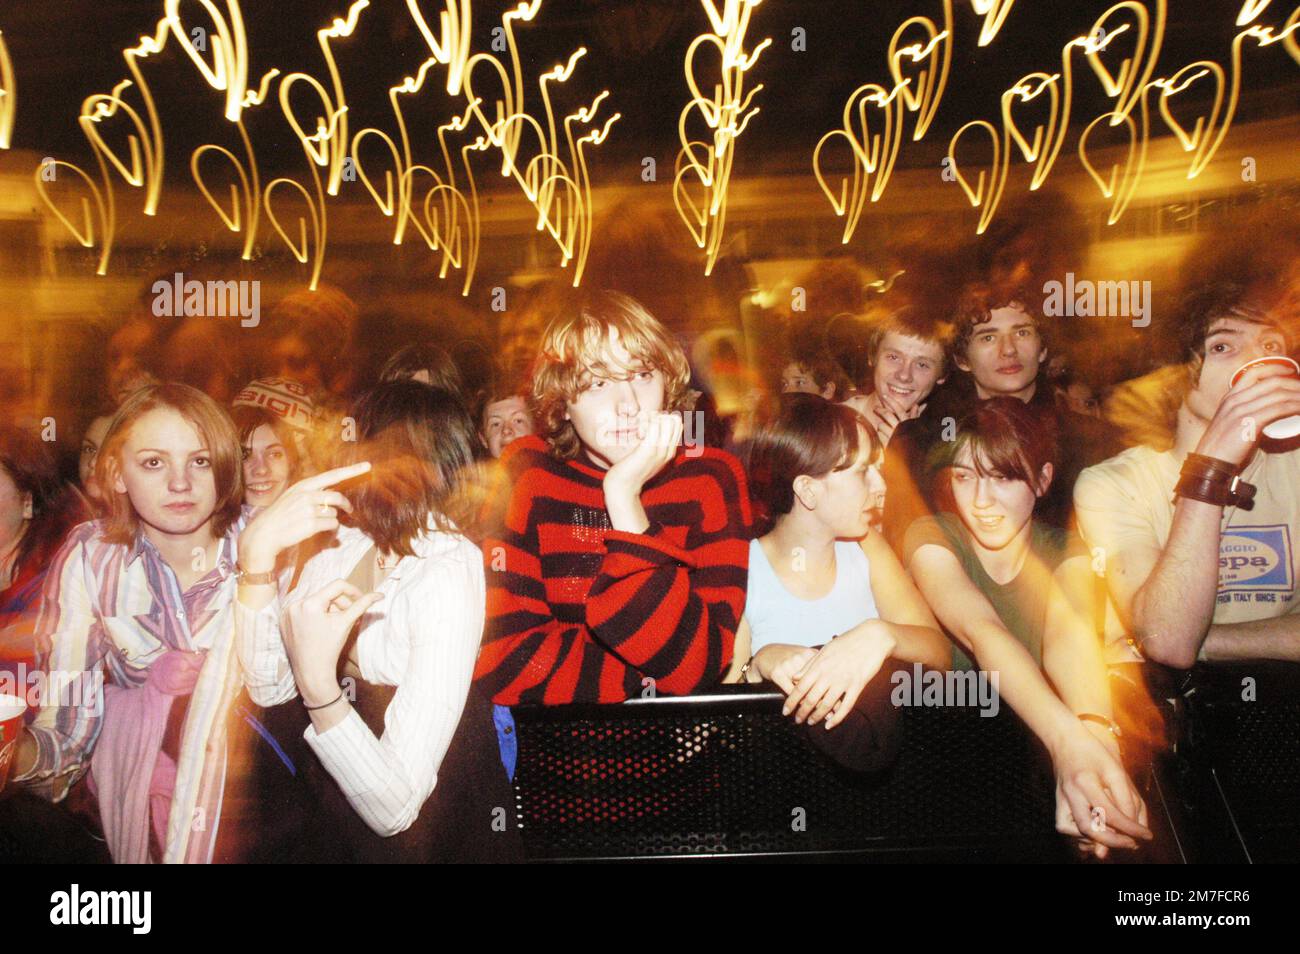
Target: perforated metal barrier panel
1247,724
729,775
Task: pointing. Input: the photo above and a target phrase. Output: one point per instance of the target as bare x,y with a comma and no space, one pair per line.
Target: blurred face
1080,399
90,444
266,467
797,378
907,369
1229,344
503,421
165,470
194,355
610,414
13,504
292,358
994,509
126,372
852,498
1004,354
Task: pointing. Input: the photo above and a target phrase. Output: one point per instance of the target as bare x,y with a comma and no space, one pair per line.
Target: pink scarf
130,775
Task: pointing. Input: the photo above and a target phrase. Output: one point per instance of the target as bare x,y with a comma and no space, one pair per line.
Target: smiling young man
621,563
146,594
1200,538
908,361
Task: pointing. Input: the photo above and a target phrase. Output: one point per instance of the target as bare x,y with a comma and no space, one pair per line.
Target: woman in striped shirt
145,594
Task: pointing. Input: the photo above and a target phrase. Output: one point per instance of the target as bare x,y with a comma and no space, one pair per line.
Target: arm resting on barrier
1072,656
1088,775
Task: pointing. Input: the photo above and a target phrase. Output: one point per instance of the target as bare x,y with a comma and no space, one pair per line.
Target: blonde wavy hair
573,350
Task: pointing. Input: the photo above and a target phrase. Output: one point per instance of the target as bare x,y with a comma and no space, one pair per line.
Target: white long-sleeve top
422,637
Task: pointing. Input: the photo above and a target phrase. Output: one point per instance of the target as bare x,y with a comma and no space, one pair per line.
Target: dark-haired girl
272,460
827,601
1015,594
379,639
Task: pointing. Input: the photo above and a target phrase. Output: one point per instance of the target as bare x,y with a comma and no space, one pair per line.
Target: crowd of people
313,598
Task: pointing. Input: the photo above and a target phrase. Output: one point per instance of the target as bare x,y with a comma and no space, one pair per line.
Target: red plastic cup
12,709
1287,427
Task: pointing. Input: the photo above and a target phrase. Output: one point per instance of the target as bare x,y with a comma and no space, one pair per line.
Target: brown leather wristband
1215,482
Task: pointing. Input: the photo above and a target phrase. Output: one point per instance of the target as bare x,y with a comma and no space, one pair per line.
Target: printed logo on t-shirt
1255,558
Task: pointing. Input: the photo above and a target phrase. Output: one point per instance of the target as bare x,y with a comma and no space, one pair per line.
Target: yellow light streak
325,148
994,13
1122,181
104,209
246,192
1210,130
1250,10
399,204
460,234
8,95
925,89
228,72
153,140
1027,88
101,106
93,109
1053,134
451,47
875,154
1135,71
726,113
338,140
563,202
1203,140
1290,38
987,193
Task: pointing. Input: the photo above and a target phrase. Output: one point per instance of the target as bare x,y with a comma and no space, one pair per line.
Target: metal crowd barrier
726,775
1240,748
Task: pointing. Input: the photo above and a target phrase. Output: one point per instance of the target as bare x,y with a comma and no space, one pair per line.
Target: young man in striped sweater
620,564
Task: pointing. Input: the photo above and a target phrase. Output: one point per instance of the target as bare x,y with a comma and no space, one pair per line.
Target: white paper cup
1287,427
12,710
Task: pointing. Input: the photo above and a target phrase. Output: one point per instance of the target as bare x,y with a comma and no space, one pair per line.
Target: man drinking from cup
1199,540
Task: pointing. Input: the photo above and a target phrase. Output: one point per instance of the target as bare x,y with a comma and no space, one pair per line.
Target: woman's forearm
1019,681
921,644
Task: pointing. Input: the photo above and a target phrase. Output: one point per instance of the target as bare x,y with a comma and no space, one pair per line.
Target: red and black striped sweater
580,612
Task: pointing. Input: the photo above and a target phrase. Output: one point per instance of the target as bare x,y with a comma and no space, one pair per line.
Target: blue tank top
776,615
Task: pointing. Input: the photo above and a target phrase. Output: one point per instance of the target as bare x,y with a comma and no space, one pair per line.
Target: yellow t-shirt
1129,500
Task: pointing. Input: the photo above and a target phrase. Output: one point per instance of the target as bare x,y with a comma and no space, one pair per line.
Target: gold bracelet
1111,725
